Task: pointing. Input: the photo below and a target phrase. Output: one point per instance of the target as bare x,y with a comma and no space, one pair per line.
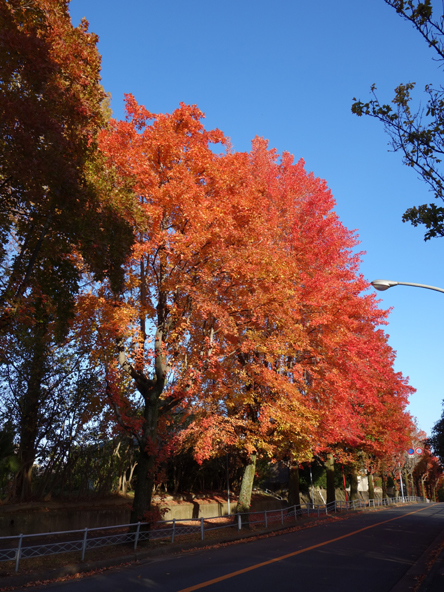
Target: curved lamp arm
383,285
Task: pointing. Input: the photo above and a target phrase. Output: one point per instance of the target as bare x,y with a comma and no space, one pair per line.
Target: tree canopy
160,296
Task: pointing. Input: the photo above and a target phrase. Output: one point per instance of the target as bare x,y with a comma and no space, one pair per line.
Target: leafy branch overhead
417,132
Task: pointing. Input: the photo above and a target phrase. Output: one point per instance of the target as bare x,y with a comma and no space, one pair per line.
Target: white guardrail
34,545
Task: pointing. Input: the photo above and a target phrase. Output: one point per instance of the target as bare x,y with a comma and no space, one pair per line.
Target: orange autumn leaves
243,305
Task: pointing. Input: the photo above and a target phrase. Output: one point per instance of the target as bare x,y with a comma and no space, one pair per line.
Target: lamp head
383,285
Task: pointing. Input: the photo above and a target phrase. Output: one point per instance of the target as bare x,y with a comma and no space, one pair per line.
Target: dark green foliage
319,476
55,197
436,441
49,391
9,464
183,474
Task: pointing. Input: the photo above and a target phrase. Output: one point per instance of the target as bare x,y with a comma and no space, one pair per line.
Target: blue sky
288,70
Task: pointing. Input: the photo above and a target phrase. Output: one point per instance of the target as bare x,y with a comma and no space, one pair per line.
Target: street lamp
383,285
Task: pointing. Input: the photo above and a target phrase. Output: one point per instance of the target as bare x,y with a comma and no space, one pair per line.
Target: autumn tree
417,132
380,424
54,201
195,219
314,371
57,217
48,388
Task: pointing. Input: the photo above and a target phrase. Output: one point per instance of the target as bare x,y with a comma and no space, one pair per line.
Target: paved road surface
369,552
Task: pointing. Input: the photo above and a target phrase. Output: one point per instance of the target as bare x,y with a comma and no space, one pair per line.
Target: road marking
282,557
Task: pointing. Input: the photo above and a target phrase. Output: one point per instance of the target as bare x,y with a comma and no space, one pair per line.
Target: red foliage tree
315,371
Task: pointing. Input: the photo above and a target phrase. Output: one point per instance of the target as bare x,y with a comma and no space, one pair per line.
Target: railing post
295,513
266,521
84,544
239,522
174,530
202,532
282,515
136,538
19,553
308,509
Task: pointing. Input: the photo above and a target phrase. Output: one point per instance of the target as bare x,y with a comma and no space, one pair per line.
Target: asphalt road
369,552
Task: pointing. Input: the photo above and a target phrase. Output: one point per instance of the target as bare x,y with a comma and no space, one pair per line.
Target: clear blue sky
288,70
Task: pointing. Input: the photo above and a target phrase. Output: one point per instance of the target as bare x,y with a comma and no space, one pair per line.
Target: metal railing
34,545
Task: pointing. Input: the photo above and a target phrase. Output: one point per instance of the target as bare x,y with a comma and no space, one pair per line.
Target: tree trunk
146,465
243,505
143,490
293,487
371,487
330,469
417,486
354,484
395,484
29,420
384,485
406,482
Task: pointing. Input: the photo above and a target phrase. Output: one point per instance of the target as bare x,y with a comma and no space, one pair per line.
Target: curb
434,580
419,574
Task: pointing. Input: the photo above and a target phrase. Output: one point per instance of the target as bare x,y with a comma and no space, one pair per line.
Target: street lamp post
402,484
383,285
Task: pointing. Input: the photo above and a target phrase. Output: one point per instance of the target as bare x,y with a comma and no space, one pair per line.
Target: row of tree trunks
244,502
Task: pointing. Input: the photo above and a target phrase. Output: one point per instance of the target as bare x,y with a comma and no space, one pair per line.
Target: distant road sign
418,450
410,452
